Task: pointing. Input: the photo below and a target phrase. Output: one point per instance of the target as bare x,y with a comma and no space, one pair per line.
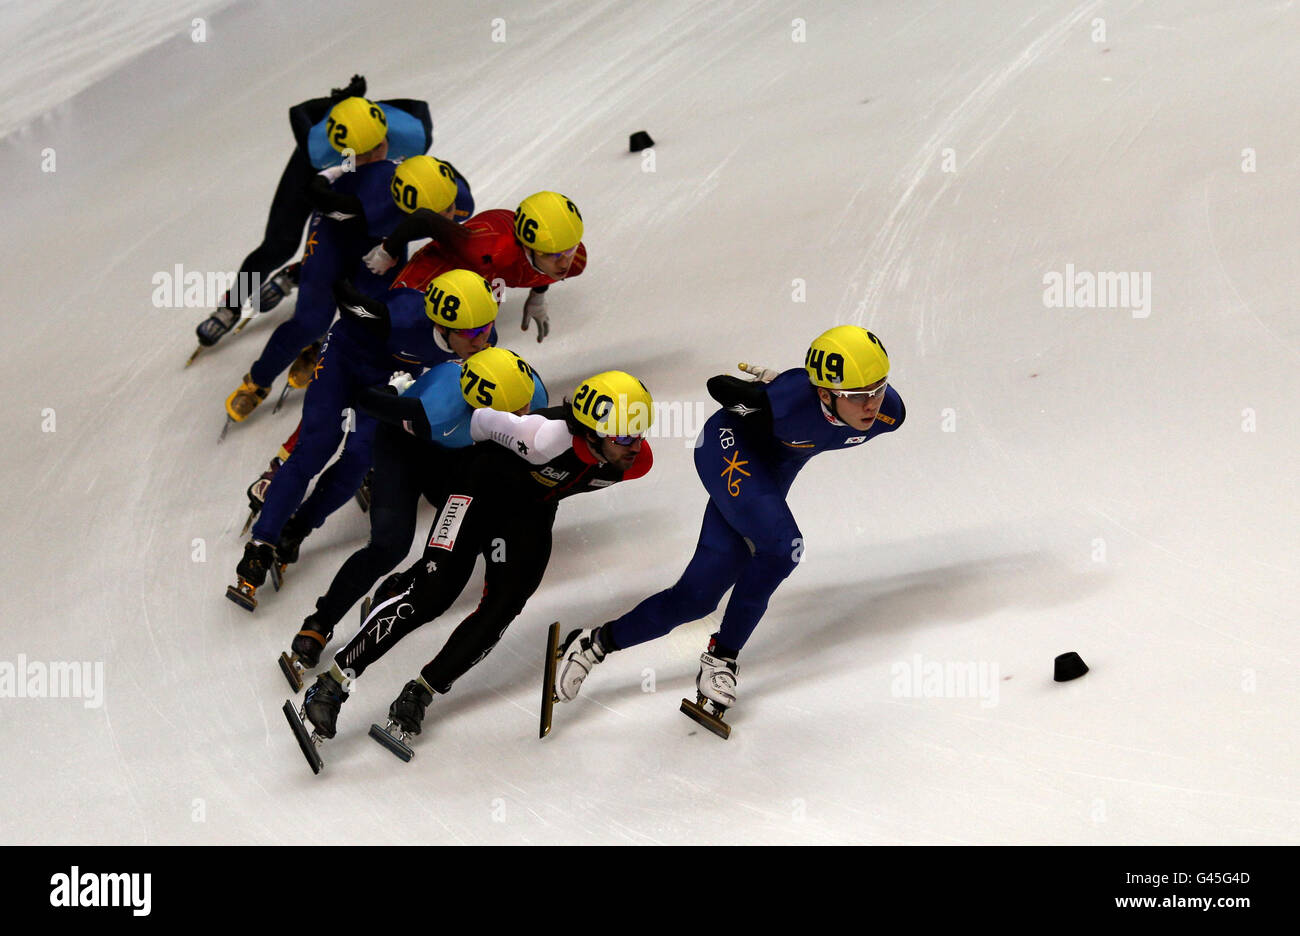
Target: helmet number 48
445,304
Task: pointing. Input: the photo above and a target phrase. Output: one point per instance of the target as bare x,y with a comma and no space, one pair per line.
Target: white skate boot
581,652
715,686
716,680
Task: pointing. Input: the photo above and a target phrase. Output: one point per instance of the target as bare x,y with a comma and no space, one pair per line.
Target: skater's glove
535,310
746,398
370,314
400,381
765,374
330,203
379,261
356,88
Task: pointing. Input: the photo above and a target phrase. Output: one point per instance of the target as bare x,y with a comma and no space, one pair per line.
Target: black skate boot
405,717
277,287
258,559
286,550
320,708
322,702
304,653
214,327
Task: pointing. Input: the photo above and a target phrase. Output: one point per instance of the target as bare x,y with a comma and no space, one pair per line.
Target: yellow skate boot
245,399
303,368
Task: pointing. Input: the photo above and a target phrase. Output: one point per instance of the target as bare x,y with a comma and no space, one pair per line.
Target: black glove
333,204
746,398
370,314
356,88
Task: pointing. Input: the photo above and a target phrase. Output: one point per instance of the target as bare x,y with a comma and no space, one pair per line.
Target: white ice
1068,478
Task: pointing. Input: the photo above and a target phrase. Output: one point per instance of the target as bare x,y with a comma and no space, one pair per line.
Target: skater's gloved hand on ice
535,310
370,314
379,261
400,381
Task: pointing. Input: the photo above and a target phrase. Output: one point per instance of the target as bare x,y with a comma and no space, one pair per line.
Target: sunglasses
563,254
469,334
623,440
862,397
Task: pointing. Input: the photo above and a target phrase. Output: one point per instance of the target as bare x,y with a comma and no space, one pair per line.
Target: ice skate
320,708
214,327
251,573
257,493
275,289
566,666
405,716
301,372
286,549
304,652
245,399
715,686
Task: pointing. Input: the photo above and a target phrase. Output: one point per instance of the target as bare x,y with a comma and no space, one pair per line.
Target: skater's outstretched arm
383,403
534,438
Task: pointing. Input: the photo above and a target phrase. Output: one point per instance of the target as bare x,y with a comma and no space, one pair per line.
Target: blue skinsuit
351,360
749,537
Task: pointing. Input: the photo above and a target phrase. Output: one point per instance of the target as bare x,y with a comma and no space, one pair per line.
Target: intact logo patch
449,521
542,480
887,420
854,440
599,483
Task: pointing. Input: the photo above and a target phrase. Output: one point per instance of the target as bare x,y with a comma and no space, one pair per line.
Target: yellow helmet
548,223
460,299
497,378
356,124
846,356
613,404
423,182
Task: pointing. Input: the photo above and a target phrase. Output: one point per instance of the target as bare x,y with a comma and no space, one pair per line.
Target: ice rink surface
1120,481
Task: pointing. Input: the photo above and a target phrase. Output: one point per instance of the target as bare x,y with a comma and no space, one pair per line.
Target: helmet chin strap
441,341
532,262
833,410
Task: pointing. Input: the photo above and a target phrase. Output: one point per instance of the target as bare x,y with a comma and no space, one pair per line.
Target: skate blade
194,355
224,429
248,524
293,671
362,501
280,402
365,608
307,742
243,595
277,574
708,719
548,679
396,743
